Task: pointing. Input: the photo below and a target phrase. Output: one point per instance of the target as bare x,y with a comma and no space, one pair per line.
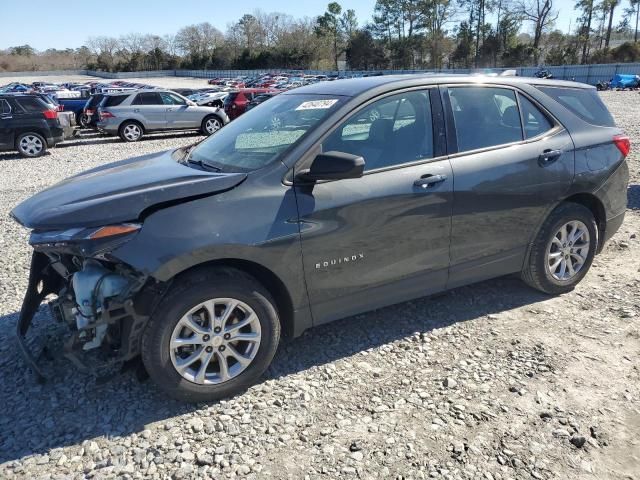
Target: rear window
31,104
229,99
94,101
585,103
113,101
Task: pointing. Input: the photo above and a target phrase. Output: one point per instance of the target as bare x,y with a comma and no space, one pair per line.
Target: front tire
214,334
130,131
563,250
31,145
210,125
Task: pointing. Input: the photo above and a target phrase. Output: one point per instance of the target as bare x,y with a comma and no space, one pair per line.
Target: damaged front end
104,302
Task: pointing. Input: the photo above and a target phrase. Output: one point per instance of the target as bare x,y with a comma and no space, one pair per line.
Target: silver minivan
131,115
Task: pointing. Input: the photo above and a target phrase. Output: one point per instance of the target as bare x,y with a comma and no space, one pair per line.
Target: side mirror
333,166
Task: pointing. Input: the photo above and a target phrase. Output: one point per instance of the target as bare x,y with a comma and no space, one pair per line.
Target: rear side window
5,108
113,101
534,121
148,98
31,104
485,117
585,103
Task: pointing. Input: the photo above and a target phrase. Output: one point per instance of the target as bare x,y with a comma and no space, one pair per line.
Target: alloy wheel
568,251
215,341
212,125
132,132
31,145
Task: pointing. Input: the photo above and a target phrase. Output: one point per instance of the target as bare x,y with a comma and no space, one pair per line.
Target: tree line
403,34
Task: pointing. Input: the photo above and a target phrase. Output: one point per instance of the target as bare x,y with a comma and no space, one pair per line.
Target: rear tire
83,120
131,131
31,145
563,250
170,344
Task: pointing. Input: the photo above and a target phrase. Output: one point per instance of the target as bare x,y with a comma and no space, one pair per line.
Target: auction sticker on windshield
317,104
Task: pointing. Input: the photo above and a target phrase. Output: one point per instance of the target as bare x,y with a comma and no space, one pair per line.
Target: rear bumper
106,127
613,195
613,225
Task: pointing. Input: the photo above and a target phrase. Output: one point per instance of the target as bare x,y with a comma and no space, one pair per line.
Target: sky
72,22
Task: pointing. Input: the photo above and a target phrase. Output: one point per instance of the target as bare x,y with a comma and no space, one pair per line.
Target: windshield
259,136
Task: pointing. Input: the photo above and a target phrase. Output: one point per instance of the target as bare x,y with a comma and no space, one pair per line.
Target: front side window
394,130
171,99
260,136
485,117
534,121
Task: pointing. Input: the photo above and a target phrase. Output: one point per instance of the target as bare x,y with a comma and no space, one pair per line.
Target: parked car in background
260,98
214,98
28,125
76,106
131,115
90,116
235,104
185,92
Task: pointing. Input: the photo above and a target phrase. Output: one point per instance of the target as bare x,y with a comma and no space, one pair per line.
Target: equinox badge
339,261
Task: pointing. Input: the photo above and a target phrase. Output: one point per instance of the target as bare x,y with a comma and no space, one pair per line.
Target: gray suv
311,208
131,115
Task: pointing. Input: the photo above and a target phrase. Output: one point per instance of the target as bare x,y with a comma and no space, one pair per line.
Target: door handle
136,110
427,181
169,109
548,157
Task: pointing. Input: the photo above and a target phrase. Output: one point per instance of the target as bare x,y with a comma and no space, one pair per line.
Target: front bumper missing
118,312
42,282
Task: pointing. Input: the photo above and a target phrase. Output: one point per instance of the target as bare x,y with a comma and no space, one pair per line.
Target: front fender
254,223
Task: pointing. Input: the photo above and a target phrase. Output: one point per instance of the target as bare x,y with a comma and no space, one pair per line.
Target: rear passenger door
150,108
511,162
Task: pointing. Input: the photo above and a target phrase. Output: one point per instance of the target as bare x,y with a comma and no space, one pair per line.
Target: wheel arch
588,200
266,277
24,130
594,204
132,120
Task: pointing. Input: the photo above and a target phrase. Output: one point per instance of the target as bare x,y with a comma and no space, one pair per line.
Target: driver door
382,238
179,115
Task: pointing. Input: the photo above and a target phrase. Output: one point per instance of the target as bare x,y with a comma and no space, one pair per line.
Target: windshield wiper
203,165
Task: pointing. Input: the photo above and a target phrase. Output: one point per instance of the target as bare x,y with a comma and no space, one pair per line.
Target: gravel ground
490,381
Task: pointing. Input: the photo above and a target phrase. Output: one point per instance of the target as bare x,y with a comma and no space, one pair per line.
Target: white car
213,99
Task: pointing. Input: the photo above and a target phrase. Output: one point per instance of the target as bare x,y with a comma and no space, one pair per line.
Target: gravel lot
491,381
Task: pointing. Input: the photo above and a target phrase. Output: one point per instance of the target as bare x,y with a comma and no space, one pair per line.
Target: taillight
60,108
106,114
50,114
89,112
623,143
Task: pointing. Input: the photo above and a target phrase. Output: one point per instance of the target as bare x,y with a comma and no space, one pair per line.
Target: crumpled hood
119,192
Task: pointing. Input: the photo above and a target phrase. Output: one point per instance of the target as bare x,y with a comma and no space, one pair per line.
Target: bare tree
541,14
612,6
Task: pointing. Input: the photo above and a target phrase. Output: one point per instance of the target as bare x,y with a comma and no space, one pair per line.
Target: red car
235,104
